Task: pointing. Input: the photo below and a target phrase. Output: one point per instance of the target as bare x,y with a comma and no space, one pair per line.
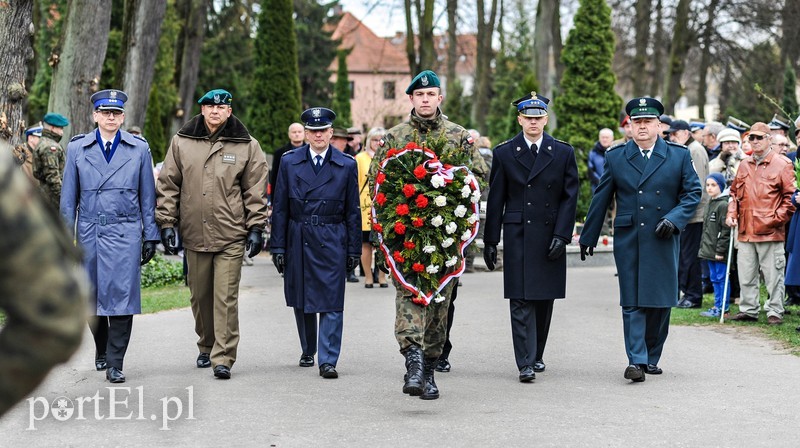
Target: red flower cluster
380,178
409,245
420,172
380,198
398,257
409,190
377,227
399,228
422,201
417,222
418,267
401,209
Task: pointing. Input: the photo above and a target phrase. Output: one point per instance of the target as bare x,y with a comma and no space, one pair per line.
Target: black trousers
111,336
530,325
689,271
451,310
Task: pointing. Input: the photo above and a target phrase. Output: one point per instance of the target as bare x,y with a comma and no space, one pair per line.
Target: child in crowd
715,242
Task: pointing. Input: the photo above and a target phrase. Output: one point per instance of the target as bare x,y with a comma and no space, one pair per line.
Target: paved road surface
720,387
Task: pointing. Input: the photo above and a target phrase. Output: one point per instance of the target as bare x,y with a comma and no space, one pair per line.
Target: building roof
368,52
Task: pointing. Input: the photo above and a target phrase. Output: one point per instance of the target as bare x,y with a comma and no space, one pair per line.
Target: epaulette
676,144
562,141
348,155
503,143
619,145
77,137
139,137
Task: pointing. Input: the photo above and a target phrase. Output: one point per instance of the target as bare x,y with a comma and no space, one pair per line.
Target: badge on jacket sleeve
229,158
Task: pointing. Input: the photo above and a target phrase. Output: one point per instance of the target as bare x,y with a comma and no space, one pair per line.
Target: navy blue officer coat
665,186
533,202
316,223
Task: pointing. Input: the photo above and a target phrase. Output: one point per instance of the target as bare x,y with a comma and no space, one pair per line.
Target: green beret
57,120
216,96
424,80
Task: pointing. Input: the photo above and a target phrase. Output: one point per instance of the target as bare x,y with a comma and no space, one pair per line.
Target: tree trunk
452,40
558,45
543,45
681,40
483,72
642,28
705,56
141,31
411,51
660,52
427,53
194,12
76,76
16,50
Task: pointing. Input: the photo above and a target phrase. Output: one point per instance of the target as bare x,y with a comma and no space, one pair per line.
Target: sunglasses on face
753,138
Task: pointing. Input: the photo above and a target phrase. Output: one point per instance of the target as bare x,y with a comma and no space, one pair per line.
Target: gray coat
113,204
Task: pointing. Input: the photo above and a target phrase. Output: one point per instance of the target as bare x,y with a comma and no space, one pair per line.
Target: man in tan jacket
761,206
213,187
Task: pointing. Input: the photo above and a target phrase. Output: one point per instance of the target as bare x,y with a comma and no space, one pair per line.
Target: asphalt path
721,386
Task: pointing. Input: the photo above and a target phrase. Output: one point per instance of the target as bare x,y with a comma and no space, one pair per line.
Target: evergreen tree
341,93
789,102
314,25
587,102
163,93
456,106
756,94
48,17
275,94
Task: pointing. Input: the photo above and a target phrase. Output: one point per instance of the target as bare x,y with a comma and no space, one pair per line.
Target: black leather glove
352,262
169,241
279,260
148,250
586,250
557,249
255,241
490,255
665,229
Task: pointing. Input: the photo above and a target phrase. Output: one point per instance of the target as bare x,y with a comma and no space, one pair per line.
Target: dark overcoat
665,186
793,248
316,223
113,204
532,202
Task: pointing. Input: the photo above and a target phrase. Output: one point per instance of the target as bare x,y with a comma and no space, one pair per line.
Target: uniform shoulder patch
140,138
562,141
77,137
504,143
676,144
619,145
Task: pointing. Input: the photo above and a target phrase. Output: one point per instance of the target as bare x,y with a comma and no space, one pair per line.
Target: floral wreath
425,214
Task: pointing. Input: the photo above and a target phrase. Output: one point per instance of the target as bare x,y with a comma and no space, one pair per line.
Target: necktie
108,151
646,154
317,163
534,151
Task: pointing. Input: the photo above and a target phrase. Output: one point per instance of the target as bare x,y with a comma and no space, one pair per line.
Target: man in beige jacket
213,188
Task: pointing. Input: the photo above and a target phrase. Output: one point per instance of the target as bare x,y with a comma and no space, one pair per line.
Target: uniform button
204,220
658,191
547,204
658,208
529,185
306,244
205,166
204,193
642,224
529,221
641,208
529,203
640,191
548,187
546,222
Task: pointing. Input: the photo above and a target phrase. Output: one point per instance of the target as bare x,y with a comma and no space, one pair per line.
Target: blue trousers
645,333
330,334
716,271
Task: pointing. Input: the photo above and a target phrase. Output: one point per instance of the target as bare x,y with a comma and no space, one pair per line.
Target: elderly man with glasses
761,206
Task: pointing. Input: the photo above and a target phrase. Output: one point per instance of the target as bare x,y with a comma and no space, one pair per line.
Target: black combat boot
431,392
414,382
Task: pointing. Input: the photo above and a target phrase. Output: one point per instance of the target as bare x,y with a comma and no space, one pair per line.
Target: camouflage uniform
45,305
48,166
425,327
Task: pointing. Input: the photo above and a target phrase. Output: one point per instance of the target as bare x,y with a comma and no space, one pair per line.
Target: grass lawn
164,298
785,334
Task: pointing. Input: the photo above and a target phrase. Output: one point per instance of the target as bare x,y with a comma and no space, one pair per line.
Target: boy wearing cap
213,188
316,239
48,157
761,206
716,241
657,192
533,194
23,153
109,196
421,332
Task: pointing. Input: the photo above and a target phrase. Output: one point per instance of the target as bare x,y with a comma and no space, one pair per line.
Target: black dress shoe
442,365
328,371
351,278
100,362
222,372
114,375
526,374
306,361
203,361
634,373
686,304
653,369
538,366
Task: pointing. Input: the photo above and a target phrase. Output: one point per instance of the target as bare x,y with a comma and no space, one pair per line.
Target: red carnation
377,227
422,201
417,222
409,245
409,190
399,228
411,145
420,172
418,267
419,301
398,257
392,152
380,198
401,209
380,178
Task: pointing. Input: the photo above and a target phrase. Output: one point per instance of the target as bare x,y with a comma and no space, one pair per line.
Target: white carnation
438,299
469,178
476,196
440,201
437,221
450,227
437,181
460,211
466,191
466,235
473,218
429,249
451,262
448,242
432,269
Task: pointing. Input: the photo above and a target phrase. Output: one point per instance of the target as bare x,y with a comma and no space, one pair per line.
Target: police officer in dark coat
657,192
533,193
316,236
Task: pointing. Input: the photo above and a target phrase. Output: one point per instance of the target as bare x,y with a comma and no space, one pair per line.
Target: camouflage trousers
422,326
